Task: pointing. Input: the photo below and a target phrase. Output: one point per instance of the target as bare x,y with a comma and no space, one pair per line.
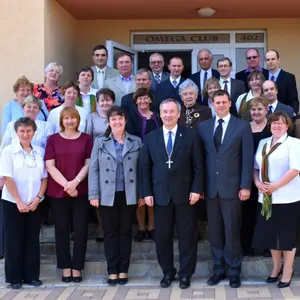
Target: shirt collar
158,74
274,105
227,79
208,71
248,70
225,119
87,94
128,79
98,69
249,96
281,140
275,74
177,80
166,131
16,147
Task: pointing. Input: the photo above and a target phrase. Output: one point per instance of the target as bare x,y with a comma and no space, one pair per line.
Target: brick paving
153,292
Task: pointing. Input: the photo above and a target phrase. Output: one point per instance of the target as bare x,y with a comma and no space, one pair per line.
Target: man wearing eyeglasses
101,70
253,59
156,63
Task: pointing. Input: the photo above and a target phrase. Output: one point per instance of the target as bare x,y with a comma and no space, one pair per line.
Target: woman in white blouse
25,181
276,175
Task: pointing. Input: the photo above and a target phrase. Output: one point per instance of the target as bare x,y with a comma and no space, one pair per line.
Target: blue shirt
13,111
120,186
276,74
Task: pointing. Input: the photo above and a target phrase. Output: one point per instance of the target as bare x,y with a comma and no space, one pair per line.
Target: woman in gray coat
113,186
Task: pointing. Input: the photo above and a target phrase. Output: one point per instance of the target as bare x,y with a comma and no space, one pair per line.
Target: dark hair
276,116
140,93
124,54
220,93
224,59
114,111
255,74
85,69
107,93
99,47
69,85
26,122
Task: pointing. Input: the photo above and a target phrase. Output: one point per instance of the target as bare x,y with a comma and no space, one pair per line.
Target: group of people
167,149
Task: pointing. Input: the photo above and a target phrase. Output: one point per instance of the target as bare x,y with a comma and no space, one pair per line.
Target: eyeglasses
252,57
29,160
188,94
278,123
223,66
156,62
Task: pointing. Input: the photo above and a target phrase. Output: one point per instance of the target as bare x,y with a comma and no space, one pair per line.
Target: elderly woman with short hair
192,113
13,109
50,91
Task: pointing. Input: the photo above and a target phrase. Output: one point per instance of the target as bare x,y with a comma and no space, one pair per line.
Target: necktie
204,79
157,78
174,83
169,144
100,79
218,135
225,85
273,78
270,109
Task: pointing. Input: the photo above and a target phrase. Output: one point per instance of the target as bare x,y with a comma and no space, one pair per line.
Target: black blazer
186,173
164,76
166,90
242,75
237,88
231,169
287,90
196,78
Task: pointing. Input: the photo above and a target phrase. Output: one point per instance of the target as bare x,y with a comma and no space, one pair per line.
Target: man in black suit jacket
205,59
270,92
172,181
169,88
156,63
234,87
229,153
286,82
142,80
253,59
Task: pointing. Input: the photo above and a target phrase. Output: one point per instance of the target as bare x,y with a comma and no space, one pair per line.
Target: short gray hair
32,99
144,70
156,54
169,100
50,66
188,83
206,50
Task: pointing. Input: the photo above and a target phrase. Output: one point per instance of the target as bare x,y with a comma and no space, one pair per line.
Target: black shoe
16,286
66,279
99,239
184,283
33,282
234,281
112,282
167,280
215,279
282,285
77,279
122,281
274,279
141,234
151,234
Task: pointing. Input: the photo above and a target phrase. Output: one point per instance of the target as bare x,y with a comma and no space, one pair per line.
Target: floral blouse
52,98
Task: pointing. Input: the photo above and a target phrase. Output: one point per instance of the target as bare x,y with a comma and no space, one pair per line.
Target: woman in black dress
258,111
140,122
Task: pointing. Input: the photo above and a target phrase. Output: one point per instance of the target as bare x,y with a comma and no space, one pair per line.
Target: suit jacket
237,88
285,108
164,77
166,90
196,78
116,85
199,113
231,169
109,73
287,90
184,176
102,171
242,75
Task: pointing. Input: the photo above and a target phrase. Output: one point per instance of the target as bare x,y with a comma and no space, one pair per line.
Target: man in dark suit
286,82
270,91
229,152
253,59
205,59
142,80
172,181
234,87
169,88
156,63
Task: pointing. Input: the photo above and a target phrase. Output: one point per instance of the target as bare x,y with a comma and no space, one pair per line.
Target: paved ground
153,292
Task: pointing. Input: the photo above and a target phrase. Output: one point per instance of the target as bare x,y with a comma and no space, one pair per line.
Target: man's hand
149,200
244,194
194,198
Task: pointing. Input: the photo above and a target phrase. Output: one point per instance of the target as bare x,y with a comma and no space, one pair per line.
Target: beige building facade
36,32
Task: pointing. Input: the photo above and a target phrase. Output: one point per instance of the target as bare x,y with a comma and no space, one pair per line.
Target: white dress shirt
283,159
86,99
274,105
177,80
54,115
221,81
100,75
166,135
27,171
202,73
240,99
224,125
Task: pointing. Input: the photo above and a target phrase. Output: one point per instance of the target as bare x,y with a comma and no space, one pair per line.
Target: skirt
278,232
